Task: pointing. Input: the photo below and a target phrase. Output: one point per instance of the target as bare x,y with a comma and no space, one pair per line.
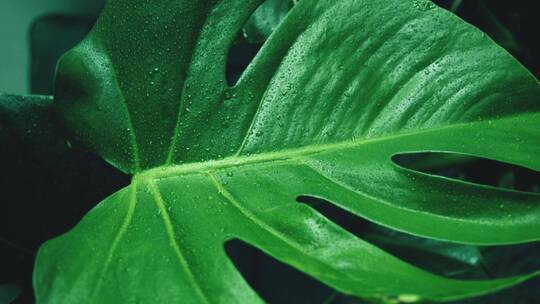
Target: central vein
294,153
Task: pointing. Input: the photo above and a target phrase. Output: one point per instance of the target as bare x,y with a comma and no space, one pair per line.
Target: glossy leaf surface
338,89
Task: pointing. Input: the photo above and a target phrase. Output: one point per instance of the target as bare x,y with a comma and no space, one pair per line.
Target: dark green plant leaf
337,90
449,259
24,113
8,293
471,169
266,19
32,119
511,260
443,258
497,30
455,5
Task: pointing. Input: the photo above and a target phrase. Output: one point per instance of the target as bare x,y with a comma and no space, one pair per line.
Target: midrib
287,155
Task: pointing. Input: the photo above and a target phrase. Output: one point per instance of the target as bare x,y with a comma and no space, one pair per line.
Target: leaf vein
117,239
158,199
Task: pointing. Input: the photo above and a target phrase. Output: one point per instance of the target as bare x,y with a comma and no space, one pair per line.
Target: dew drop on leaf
408,298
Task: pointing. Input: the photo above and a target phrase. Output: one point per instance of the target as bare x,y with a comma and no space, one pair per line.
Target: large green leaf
337,90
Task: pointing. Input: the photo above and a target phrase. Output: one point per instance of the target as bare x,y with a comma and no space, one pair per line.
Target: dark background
50,183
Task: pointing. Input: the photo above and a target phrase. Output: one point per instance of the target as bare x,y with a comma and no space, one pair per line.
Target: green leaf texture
337,90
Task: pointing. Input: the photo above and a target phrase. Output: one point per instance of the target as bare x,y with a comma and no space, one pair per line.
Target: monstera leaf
337,90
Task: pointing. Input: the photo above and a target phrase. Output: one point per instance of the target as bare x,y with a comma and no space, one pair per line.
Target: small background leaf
8,293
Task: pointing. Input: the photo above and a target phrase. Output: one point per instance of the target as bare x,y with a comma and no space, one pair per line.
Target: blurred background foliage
49,183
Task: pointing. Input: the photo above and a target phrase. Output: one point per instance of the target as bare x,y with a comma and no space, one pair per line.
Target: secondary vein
229,197
172,240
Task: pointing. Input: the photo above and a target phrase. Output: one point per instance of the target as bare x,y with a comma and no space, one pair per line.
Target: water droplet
423,5
408,298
